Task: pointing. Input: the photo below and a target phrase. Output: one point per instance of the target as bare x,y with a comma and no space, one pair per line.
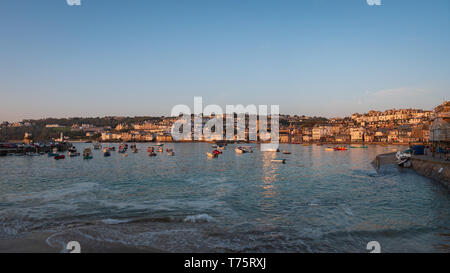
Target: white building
320,131
357,134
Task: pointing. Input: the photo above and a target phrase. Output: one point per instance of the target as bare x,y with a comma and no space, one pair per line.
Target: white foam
201,218
113,221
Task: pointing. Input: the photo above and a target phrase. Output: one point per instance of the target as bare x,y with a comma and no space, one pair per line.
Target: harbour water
319,201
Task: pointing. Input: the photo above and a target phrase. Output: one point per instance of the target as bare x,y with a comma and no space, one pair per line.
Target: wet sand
36,243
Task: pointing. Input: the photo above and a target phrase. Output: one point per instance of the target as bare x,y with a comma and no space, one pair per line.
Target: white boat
73,154
283,161
239,150
270,148
403,159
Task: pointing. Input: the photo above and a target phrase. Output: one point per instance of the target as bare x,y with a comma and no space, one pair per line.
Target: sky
326,58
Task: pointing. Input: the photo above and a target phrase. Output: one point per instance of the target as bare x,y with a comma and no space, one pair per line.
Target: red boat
340,149
60,157
217,152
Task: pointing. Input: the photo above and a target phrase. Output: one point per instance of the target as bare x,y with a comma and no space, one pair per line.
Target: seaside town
395,126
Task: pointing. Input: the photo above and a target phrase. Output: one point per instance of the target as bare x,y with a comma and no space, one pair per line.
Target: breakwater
433,168
383,159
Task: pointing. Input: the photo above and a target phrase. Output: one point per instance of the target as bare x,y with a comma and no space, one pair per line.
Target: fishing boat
87,153
217,152
59,157
170,152
123,148
247,149
329,149
286,152
73,154
159,144
53,153
134,148
239,150
341,148
283,161
212,155
97,146
403,159
305,144
160,150
359,147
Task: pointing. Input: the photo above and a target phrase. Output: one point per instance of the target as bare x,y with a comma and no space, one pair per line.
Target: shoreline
249,142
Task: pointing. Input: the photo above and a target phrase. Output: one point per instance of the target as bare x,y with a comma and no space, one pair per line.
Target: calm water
318,202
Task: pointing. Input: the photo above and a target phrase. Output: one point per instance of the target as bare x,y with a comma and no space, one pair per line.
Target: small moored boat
87,153
212,155
283,161
97,146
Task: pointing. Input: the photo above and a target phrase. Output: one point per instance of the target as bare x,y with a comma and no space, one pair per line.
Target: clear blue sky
313,57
